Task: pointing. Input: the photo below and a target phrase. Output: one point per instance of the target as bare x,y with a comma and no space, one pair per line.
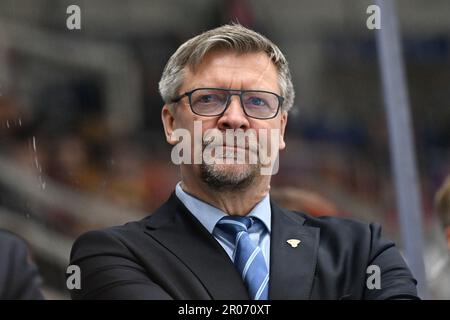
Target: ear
168,120
284,118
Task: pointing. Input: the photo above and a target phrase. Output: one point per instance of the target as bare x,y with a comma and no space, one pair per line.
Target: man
19,277
219,236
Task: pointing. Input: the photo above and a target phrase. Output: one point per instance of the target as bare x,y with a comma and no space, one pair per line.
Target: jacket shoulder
347,227
121,240
108,241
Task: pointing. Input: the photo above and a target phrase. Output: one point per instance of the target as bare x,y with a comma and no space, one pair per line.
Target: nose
234,116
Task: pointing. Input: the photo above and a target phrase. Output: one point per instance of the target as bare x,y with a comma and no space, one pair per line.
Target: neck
234,202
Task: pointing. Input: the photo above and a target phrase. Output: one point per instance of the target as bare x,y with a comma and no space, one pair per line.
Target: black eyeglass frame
231,92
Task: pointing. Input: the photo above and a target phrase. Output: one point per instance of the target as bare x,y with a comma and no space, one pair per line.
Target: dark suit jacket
170,255
19,278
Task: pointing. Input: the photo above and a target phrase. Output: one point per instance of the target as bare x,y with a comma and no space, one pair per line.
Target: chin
229,176
232,168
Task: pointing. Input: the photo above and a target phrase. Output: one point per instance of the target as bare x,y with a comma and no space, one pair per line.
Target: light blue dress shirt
208,216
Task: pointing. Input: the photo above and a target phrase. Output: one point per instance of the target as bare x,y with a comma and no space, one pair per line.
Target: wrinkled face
229,70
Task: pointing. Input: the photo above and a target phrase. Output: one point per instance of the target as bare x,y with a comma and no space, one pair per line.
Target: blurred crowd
83,156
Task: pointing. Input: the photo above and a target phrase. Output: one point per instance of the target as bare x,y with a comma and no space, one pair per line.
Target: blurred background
81,140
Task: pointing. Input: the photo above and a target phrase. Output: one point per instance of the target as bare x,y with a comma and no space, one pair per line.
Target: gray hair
233,37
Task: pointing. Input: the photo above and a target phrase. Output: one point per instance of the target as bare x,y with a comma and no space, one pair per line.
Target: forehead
229,69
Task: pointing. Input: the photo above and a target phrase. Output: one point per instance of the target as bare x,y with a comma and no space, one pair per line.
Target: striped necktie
247,257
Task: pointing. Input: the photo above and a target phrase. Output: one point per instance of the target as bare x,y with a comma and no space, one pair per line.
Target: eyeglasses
211,102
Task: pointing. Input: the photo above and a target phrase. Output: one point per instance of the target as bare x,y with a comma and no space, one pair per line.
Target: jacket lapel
291,268
181,233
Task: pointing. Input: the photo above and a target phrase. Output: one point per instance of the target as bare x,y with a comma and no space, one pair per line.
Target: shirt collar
209,215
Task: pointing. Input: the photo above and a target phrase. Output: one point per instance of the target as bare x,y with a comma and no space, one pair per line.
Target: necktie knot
232,225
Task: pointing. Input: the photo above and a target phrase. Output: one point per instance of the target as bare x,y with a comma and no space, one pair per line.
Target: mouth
234,148
231,150
241,154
